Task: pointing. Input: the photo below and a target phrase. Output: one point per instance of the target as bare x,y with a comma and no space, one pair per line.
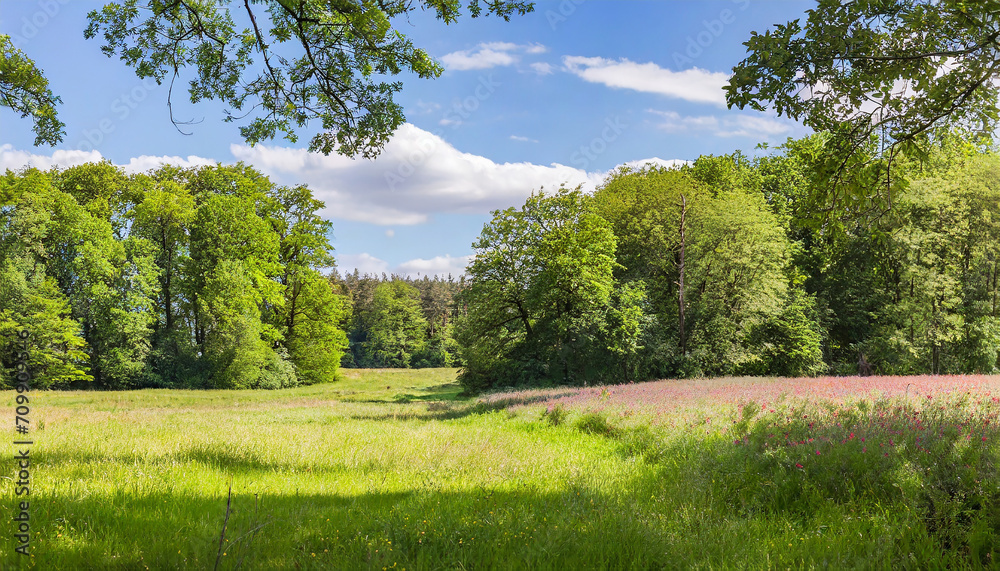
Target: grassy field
393,470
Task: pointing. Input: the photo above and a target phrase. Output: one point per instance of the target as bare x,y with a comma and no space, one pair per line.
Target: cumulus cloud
490,54
735,126
14,159
417,175
147,162
436,266
696,85
365,264
655,161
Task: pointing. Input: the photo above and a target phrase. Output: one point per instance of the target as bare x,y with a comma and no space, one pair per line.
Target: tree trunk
911,313
167,299
168,274
995,275
680,280
935,346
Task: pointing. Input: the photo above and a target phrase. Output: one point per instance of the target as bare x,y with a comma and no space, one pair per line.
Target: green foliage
57,358
705,246
32,214
438,304
314,61
933,463
233,345
210,277
595,423
540,299
317,341
198,278
789,340
555,414
879,79
721,268
25,90
395,325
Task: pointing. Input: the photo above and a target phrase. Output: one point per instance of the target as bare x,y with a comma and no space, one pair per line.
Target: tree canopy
285,65
882,79
176,278
25,89
541,300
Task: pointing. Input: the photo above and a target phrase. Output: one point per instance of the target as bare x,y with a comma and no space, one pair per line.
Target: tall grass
391,469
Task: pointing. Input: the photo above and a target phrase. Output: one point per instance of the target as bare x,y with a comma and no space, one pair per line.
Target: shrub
595,423
555,414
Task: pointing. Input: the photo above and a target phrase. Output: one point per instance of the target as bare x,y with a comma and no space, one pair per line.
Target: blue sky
562,95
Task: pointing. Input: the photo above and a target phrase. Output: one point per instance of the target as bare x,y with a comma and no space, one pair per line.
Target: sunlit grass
393,468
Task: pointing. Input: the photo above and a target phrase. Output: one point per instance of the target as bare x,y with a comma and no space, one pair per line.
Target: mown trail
390,469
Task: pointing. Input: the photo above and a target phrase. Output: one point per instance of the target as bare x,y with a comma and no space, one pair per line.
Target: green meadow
394,469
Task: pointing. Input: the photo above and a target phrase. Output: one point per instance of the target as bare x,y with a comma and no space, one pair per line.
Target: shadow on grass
450,410
515,528
443,392
694,504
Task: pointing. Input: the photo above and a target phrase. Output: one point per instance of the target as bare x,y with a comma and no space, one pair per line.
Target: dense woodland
731,267
206,277
401,322
215,277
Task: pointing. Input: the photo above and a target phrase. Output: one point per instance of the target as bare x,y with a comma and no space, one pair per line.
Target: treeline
732,266
215,277
207,277
401,322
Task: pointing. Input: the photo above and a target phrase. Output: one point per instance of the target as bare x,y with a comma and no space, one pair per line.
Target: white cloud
523,139
417,175
481,59
11,158
541,68
365,264
490,54
146,162
500,46
735,126
655,161
390,233
436,266
696,85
